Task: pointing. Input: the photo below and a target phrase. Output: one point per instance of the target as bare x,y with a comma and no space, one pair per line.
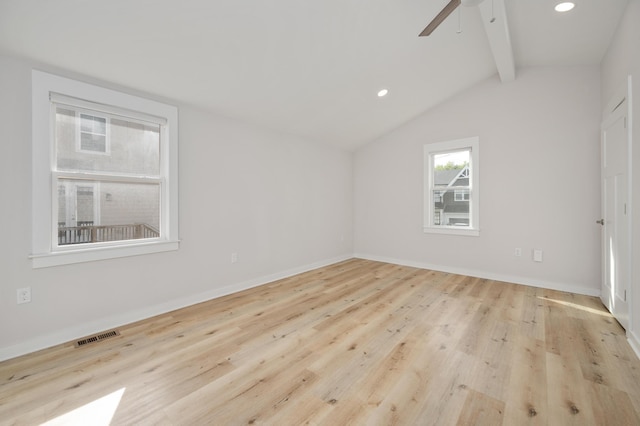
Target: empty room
329,213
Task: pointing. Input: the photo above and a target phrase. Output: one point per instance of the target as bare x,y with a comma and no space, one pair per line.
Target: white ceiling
308,68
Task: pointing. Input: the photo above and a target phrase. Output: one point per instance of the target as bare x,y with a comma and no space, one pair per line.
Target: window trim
46,86
473,144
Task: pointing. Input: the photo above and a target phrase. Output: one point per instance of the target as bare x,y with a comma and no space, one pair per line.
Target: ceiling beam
499,37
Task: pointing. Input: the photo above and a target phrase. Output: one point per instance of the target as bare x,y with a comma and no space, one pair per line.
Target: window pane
451,160
461,195
85,203
125,146
448,210
93,124
437,206
99,211
450,169
91,142
62,205
450,194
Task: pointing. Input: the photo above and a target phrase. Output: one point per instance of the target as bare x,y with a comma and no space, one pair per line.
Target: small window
93,136
118,203
436,217
452,187
460,195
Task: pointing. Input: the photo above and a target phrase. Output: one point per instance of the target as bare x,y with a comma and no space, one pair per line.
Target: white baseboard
634,342
589,291
85,329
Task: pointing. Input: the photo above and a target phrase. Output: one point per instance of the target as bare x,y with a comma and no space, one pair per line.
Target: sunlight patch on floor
576,306
96,413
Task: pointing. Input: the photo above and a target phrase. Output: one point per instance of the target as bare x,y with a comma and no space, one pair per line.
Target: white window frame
430,150
45,252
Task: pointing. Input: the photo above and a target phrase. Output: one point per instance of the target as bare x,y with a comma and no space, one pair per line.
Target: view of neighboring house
101,159
451,196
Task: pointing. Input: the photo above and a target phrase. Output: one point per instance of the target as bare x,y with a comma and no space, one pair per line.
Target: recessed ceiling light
564,7
382,93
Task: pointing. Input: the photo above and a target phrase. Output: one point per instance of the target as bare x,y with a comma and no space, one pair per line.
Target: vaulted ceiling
308,68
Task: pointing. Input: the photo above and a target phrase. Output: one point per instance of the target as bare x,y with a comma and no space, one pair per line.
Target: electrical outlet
24,295
517,252
537,255
234,257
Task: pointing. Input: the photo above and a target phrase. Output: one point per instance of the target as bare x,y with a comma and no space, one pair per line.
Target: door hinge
625,295
625,122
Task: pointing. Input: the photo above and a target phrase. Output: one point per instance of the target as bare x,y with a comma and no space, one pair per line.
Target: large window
104,173
452,187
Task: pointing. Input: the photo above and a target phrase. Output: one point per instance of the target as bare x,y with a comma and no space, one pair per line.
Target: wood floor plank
480,409
358,342
605,397
567,398
526,402
446,387
532,314
492,373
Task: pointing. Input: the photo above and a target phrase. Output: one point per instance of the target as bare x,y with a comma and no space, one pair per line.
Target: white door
77,204
615,215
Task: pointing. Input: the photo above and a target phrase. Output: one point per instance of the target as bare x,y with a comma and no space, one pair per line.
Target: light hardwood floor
359,342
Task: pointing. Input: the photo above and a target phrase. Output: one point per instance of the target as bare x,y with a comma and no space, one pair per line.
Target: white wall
623,59
283,204
539,174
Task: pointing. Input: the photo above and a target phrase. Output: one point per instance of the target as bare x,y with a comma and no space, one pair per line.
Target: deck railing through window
103,233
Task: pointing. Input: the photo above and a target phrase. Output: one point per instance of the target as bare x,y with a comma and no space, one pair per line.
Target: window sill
100,253
453,231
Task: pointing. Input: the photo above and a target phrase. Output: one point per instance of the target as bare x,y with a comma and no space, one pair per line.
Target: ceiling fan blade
450,7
